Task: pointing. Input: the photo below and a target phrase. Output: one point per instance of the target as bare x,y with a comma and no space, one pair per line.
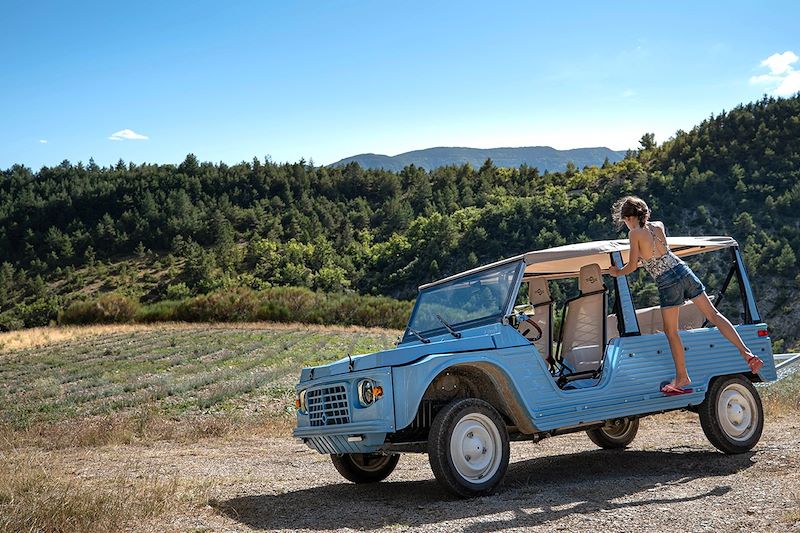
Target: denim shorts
677,285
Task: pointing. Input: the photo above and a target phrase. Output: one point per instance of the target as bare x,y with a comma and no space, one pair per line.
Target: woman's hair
630,206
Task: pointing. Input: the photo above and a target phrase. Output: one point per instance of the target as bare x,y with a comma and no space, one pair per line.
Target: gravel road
670,479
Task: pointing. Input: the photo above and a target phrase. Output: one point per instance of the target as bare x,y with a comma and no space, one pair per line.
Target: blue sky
324,80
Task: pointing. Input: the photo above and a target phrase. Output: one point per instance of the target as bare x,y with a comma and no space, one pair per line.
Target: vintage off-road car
474,369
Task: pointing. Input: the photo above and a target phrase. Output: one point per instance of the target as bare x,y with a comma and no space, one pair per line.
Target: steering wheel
526,331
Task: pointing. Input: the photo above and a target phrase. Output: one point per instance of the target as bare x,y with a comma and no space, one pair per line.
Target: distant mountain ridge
541,157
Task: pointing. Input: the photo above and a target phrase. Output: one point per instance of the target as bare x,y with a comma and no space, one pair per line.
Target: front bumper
365,437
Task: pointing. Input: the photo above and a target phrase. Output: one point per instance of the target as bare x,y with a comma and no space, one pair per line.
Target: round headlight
301,401
366,392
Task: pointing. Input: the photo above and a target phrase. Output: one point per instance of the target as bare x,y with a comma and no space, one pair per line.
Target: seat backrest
582,342
539,295
650,320
590,279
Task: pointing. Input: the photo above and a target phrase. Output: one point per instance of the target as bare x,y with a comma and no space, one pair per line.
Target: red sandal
671,390
755,363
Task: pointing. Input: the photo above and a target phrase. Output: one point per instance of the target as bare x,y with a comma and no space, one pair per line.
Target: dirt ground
670,479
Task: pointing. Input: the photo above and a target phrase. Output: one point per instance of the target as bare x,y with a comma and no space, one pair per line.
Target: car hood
407,353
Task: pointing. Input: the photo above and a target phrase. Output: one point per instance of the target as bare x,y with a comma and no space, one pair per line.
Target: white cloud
627,93
129,135
43,141
765,78
782,76
789,85
780,63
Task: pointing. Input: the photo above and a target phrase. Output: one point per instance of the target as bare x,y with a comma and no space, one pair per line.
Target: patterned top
657,265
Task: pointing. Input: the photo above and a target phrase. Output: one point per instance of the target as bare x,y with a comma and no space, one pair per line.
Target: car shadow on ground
535,492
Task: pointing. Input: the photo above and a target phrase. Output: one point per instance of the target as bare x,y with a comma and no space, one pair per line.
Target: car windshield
475,298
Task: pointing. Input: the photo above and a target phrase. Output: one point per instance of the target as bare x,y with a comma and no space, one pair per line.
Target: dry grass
36,497
779,405
783,397
141,428
45,336
40,337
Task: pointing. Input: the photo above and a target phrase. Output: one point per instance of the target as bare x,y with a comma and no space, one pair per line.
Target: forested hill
68,230
541,157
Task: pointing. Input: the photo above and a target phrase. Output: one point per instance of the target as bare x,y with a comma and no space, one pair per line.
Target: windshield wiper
418,335
453,332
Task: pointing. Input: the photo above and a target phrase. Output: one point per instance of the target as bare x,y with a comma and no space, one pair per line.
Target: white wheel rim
476,448
737,412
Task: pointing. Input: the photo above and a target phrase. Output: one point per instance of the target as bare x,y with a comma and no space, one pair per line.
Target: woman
676,284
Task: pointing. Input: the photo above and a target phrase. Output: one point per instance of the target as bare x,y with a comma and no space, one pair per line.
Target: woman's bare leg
670,317
723,324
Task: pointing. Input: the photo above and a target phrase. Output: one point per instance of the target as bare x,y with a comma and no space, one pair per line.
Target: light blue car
475,370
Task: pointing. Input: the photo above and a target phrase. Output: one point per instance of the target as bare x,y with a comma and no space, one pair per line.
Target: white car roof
566,261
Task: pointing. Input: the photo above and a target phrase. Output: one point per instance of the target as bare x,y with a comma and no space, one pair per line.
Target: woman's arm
633,259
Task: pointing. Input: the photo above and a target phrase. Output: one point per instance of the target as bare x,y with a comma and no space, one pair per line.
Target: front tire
616,436
365,467
468,447
731,415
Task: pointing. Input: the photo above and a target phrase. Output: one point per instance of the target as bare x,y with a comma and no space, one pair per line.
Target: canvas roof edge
565,261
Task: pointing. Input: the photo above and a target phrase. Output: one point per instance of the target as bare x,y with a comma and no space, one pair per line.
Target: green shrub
9,321
107,309
294,304
241,304
178,291
227,305
274,312
165,311
299,301
39,312
370,311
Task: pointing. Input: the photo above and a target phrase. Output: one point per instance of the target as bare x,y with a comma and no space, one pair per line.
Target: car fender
501,370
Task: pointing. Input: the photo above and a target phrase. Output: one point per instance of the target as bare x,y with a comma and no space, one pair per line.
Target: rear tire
468,447
615,437
731,415
365,467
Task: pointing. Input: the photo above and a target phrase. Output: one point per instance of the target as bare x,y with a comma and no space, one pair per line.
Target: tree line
260,224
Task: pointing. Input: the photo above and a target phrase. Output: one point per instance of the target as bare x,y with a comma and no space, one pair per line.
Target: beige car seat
650,320
582,338
539,297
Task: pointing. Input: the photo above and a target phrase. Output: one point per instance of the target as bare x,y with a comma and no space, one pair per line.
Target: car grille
328,406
